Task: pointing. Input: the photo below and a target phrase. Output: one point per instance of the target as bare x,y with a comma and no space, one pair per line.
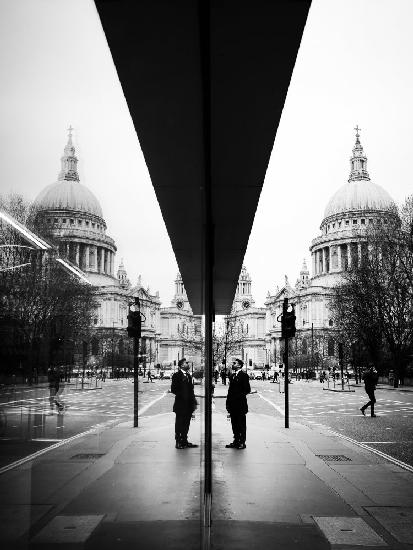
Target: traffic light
134,324
288,324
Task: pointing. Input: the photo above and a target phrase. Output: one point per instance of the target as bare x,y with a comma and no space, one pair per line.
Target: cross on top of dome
357,129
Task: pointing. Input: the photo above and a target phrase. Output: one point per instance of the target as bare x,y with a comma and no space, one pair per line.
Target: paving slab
67,530
259,535
397,520
348,531
15,520
146,535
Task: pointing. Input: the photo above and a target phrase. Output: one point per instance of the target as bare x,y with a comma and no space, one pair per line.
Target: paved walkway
301,488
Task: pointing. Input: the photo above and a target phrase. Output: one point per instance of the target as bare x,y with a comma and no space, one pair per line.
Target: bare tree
374,304
44,310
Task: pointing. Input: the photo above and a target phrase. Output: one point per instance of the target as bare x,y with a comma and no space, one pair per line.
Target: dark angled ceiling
156,48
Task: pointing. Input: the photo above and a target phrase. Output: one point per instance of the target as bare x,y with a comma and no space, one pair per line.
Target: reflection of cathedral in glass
69,215
180,330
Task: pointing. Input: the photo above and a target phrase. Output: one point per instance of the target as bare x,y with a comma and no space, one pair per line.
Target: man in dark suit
237,406
185,403
370,378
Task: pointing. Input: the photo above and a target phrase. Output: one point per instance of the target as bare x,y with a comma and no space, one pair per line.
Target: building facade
247,324
181,330
69,215
356,205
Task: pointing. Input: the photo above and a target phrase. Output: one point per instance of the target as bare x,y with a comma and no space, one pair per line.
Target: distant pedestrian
185,403
224,374
53,375
236,404
150,377
370,378
275,376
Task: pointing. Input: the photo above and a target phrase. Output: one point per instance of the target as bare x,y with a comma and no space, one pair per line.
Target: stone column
330,258
68,251
96,261
102,260
359,254
77,254
349,254
87,257
339,257
323,252
105,261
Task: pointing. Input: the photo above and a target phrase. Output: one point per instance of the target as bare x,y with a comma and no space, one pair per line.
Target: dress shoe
374,415
241,446
190,445
362,412
180,446
232,445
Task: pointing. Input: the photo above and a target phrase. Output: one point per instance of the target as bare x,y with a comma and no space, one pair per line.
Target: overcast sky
353,67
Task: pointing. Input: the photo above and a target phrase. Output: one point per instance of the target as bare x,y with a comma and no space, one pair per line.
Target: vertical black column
208,248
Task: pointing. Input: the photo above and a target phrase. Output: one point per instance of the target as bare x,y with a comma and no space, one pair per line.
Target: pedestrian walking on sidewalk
224,374
185,403
53,375
370,378
236,404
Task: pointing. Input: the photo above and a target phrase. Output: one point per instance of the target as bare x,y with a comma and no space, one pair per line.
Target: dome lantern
358,162
69,161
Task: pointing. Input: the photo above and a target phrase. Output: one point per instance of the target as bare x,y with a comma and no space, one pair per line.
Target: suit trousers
182,421
239,426
370,393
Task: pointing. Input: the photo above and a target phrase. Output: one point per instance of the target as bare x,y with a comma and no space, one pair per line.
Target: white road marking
373,450
276,407
35,455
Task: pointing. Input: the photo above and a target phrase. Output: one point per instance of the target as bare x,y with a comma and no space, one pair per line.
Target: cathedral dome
360,194
69,195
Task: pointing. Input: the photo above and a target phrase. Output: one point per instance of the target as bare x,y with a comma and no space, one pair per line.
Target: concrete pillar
77,254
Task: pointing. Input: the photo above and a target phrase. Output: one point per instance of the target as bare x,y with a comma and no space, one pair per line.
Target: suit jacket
183,388
239,387
370,380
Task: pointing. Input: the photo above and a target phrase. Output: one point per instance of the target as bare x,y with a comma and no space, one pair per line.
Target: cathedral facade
246,324
354,207
70,216
181,330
